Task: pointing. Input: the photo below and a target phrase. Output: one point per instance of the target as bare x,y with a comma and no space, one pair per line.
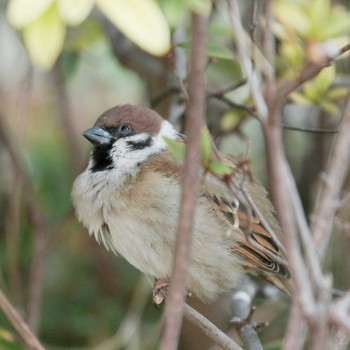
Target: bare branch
195,117
329,196
37,218
311,131
246,64
309,71
269,52
296,330
22,328
210,329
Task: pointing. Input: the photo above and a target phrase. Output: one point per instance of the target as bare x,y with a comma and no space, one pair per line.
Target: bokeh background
72,292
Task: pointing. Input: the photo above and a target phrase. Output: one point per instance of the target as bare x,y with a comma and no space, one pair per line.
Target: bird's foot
248,321
160,291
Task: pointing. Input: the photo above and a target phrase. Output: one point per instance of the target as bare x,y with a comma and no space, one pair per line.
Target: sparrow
129,197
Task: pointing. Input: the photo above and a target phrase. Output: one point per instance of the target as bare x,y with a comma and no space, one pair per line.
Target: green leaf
141,21
213,50
292,16
44,38
318,11
339,23
293,53
8,340
299,98
232,119
176,148
202,7
219,51
311,92
73,12
219,168
68,63
20,13
173,10
324,79
84,36
329,106
206,146
337,94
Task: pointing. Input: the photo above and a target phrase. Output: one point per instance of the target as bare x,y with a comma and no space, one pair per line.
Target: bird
129,198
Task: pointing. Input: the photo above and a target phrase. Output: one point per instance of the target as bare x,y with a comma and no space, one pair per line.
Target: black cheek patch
101,158
138,145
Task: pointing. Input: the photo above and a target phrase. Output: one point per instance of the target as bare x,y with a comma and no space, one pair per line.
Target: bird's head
126,136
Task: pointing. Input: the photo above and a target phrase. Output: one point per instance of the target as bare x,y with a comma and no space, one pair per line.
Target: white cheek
167,131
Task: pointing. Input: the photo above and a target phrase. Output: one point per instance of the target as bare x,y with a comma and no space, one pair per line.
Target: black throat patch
101,158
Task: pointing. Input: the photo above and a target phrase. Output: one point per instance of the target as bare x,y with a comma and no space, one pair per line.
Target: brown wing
260,253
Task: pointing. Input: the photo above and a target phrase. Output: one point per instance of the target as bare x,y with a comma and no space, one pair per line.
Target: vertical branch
37,219
67,119
195,117
246,64
329,197
269,52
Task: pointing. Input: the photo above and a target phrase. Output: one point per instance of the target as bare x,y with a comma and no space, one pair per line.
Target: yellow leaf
299,98
44,38
329,106
231,119
311,92
141,21
324,79
73,12
337,94
292,17
20,13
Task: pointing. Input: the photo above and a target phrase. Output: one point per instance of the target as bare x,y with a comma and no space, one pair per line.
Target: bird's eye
124,129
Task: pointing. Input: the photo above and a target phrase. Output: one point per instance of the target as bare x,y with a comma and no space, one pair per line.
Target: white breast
142,217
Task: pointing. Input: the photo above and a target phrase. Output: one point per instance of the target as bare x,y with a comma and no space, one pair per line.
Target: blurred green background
72,292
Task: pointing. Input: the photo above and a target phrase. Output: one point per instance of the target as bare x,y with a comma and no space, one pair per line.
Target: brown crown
139,118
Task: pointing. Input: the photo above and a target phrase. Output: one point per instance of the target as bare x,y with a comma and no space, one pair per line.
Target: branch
246,64
210,329
309,71
37,218
195,117
329,196
21,327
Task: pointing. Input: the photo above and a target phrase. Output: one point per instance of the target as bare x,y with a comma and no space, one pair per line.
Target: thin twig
246,64
309,71
269,52
195,117
21,327
224,91
67,120
252,29
210,329
309,130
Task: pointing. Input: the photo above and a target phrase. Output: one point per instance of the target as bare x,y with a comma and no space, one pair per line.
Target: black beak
98,136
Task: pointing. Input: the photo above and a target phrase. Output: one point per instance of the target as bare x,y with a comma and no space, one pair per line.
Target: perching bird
129,196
